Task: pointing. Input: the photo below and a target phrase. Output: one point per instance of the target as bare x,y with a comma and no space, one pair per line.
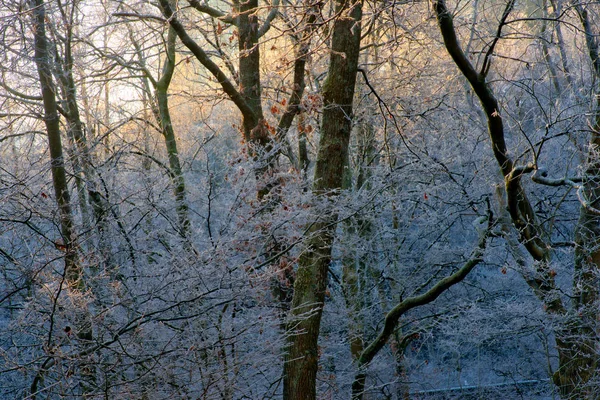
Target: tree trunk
59,177
73,274
164,117
82,159
301,364
573,378
556,12
356,271
249,71
159,103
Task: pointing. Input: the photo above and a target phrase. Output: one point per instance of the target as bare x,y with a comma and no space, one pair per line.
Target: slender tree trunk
86,175
159,103
544,39
73,273
164,117
556,12
293,107
303,160
356,273
301,364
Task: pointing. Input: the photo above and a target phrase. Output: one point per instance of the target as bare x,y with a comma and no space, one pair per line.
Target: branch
293,104
585,203
392,317
19,94
157,161
521,212
487,61
383,104
270,17
541,176
139,16
213,12
249,116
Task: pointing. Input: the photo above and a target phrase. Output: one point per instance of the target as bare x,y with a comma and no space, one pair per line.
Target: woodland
299,199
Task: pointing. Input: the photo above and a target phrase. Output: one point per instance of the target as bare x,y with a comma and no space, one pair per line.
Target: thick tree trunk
302,360
249,72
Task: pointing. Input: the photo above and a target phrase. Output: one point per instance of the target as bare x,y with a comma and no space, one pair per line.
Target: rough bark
249,69
301,364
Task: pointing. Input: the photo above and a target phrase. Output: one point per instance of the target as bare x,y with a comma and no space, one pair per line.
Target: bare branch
392,317
249,116
213,12
270,17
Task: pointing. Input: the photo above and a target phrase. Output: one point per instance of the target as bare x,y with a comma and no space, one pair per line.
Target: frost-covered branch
392,317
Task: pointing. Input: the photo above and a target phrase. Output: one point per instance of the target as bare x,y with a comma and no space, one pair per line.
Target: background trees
173,249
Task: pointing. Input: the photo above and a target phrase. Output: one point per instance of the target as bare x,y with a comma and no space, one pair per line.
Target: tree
574,343
300,370
73,274
160,109
423,257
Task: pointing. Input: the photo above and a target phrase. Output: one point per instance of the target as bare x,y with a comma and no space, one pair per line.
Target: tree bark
301,364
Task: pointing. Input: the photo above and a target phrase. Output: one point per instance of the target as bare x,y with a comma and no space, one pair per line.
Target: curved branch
392,317
270,17
487,61
213,12
293,104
